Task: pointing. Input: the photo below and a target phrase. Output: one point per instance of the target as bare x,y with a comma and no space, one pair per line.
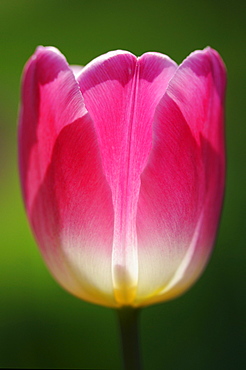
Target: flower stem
128,320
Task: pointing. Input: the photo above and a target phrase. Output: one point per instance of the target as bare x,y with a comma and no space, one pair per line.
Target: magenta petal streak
122,169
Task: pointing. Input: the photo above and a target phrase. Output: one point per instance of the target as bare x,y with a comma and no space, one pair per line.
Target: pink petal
72,215
68,200
121,93
51,99
182,184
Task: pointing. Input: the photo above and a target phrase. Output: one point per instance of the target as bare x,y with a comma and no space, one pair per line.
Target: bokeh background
41,325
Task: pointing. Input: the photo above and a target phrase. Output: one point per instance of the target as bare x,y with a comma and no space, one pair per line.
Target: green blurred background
42,326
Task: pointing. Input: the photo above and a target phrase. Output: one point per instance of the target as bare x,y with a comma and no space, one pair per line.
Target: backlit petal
51,99
182,185
121,93
67,197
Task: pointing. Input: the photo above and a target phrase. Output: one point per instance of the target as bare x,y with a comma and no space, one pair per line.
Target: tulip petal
182,184
50,100
73,215
68,200
121,93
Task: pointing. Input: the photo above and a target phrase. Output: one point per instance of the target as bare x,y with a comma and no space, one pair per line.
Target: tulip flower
122,167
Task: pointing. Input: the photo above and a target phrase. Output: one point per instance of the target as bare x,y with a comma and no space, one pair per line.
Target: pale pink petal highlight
121,93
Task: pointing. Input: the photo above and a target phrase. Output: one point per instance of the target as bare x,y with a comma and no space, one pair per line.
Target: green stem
128,320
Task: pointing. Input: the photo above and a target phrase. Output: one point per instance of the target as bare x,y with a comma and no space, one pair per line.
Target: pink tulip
122,168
